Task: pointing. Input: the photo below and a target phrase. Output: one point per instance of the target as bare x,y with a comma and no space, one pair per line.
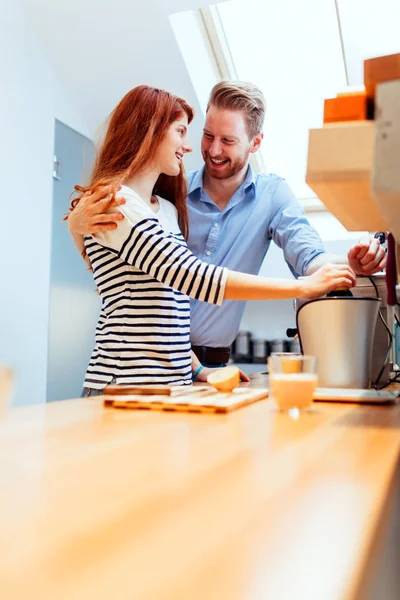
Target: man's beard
228,170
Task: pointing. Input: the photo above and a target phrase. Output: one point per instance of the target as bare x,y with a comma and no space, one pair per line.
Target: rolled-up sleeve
291,231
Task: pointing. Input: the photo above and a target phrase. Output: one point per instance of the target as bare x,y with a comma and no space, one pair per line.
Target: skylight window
298,53
292,51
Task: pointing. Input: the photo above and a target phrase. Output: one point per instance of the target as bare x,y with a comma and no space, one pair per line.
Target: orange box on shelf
349,107
380,69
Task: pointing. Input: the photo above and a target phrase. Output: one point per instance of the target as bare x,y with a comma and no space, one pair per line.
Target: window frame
221,54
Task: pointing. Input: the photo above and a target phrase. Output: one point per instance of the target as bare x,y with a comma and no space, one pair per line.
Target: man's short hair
241,96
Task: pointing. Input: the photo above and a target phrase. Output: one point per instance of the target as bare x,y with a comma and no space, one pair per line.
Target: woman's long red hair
135,129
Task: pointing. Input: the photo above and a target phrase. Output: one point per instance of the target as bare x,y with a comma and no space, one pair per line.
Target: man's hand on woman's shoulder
90,216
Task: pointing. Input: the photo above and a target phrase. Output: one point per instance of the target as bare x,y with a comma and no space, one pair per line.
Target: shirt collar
197,181
250,178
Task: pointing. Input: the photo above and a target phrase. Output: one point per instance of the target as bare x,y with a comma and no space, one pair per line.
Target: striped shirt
145,275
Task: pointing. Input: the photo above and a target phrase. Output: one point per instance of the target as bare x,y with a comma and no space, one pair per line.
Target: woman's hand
326,279
205,372
89,215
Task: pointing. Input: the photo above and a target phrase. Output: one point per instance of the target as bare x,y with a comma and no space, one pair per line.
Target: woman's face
172,148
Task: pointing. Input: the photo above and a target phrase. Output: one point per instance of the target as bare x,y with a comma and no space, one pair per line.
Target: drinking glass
292,380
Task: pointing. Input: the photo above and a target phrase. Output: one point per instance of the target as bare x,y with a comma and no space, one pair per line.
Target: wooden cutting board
200,399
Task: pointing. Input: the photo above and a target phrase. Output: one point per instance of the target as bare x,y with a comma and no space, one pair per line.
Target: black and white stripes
145,275
150,249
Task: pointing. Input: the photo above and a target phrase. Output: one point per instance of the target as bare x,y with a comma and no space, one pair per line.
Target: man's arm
89,216
292,232
302,246
365,258
77,238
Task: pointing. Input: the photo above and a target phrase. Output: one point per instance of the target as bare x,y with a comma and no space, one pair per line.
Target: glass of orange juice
292,380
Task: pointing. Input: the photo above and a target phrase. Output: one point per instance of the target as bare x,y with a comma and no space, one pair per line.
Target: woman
143,269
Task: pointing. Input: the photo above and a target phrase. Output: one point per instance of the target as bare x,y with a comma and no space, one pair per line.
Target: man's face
225,144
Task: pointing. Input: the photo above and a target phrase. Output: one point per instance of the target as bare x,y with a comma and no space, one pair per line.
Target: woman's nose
187,147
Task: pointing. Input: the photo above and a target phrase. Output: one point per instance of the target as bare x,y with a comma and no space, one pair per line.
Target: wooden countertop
140,505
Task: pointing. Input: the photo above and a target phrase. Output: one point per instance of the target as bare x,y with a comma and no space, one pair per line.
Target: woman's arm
205,371
144,244
242,286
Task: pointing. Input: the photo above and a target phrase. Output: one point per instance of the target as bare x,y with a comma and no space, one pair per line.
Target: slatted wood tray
200,399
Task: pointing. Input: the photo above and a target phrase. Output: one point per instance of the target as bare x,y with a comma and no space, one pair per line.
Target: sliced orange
225,379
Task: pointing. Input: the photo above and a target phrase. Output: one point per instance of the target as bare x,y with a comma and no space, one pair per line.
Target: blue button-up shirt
238,237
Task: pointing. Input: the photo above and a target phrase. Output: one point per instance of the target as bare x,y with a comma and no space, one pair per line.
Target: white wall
102,49
30,99
71,61
197,54
174,6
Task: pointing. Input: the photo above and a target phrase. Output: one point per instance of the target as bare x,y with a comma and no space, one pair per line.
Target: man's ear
256,143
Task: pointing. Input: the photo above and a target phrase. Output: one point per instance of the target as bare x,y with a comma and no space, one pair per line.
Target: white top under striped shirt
145,274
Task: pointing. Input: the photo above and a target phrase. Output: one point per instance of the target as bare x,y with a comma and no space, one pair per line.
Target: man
234,214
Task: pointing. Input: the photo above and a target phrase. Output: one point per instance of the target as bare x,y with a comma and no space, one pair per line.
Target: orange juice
291,365
293,390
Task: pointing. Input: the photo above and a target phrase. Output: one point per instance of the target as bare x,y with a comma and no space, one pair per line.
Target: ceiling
100,49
